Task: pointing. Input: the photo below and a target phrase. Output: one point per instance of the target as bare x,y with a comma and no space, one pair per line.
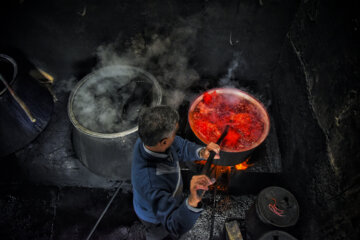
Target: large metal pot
107,151
247,118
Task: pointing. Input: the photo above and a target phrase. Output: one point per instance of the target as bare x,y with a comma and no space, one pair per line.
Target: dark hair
157,123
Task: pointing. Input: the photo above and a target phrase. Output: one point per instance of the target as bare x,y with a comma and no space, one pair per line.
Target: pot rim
99,72
245,95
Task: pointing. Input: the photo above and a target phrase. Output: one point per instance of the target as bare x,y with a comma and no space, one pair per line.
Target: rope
275,209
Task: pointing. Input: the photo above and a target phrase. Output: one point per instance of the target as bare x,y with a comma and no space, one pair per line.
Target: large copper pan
247,117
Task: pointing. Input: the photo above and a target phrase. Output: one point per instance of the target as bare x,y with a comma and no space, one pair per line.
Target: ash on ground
218,210
133,232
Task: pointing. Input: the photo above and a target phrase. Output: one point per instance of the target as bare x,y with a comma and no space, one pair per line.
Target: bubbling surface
210,116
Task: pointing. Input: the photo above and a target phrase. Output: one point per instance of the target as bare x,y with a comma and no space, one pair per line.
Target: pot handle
207,172
12,61
207,168
13,94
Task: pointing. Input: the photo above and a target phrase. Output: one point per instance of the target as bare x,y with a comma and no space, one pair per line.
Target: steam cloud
166,57
237,64
100,106
110,99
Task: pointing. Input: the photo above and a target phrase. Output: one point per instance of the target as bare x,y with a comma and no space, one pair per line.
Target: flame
243,165
202,162
223,173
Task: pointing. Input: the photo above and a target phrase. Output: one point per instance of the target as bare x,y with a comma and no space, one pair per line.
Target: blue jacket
157,186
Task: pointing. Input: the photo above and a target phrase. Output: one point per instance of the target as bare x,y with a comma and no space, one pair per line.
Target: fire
243,165
215,111
222,173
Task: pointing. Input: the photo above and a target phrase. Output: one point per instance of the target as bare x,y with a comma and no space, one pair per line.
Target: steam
232,78
100,106
109,100
237,64
230,72
64,86
166,57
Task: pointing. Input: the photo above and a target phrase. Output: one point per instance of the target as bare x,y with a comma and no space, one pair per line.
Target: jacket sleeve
177,219
186,150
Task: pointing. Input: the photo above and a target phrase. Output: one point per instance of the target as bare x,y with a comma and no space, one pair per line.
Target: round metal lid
279,235
277,206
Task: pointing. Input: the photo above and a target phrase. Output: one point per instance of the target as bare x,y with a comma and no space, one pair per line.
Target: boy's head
158,124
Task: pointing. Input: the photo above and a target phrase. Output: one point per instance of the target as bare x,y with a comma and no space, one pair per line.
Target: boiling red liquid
215,111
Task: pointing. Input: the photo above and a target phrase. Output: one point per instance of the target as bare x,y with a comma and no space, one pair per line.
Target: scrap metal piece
44,79
233,231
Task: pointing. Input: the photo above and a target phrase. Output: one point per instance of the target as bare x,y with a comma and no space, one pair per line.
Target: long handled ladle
207,168
18,100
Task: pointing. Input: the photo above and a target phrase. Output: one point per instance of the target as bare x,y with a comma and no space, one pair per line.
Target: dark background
301,58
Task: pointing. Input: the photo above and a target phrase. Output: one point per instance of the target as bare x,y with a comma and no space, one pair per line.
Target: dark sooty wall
316,95
301,59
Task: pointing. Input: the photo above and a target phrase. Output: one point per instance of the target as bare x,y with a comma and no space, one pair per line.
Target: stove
235,190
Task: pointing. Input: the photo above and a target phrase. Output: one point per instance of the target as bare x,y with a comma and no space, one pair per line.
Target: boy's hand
205,152
198,182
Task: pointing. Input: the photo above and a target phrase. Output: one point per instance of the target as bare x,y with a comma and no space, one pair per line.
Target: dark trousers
156,231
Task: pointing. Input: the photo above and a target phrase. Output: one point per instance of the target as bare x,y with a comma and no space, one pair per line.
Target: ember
216,110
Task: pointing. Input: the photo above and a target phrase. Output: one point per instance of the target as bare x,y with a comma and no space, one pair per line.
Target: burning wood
222,173
241,166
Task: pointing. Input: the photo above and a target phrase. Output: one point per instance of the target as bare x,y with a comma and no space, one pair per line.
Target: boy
156,176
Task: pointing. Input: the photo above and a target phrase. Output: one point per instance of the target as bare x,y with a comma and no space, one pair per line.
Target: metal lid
277,206
279,235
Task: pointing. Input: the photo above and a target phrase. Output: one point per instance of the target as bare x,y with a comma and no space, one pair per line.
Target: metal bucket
109,152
